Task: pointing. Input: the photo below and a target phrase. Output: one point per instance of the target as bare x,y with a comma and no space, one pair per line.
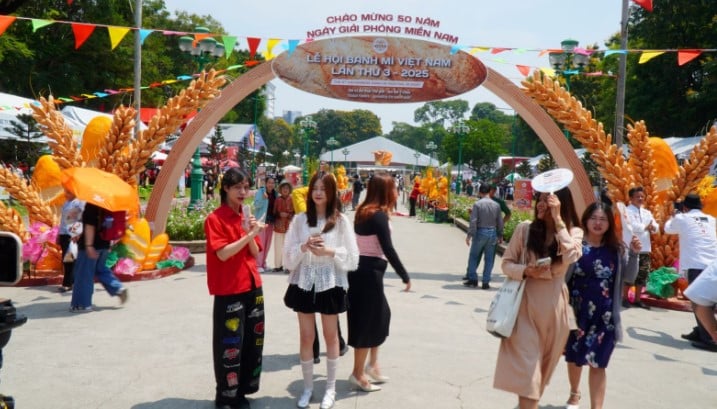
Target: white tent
84,115
362,153
12,105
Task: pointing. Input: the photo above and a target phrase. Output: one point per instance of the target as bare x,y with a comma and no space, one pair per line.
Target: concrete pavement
155,351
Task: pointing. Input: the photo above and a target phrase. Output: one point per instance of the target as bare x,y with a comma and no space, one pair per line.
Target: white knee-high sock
331,366
307,370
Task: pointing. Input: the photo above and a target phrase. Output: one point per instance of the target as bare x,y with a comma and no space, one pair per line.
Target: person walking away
638,222
595,288
357,189
697,232
92,253
283,213
211,185
234,281
369,315
486,231
320,249
69,232
264,200
527,359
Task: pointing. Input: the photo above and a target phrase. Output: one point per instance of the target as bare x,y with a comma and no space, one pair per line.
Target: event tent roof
12,105
362,153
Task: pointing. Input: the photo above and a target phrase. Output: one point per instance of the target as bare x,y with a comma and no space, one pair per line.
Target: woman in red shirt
235,283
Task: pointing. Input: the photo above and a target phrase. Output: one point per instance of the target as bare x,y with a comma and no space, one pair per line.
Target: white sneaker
305,398
329,400
261,269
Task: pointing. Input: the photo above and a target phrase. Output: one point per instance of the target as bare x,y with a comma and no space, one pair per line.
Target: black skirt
369,315
331,301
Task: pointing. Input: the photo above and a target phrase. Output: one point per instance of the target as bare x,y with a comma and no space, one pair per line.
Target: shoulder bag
503,310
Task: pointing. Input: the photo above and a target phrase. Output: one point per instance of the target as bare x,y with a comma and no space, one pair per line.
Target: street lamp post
460,129
307,125
286,154
431,146
568,62
297,157
202,51
346,152
332,142
416,155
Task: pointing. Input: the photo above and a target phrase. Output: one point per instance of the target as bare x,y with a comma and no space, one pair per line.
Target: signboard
523,194
380,69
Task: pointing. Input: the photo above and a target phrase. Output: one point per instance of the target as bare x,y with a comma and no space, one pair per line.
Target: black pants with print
238,342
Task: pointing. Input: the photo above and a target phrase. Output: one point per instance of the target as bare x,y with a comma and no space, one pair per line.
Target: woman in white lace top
319,250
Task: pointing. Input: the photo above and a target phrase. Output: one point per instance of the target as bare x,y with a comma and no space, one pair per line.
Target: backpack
112,225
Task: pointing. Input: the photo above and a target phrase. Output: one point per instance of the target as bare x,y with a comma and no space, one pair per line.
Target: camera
10,274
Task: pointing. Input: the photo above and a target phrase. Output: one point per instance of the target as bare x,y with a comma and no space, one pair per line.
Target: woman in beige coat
527,358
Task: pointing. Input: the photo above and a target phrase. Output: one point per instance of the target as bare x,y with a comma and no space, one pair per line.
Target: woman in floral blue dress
595,288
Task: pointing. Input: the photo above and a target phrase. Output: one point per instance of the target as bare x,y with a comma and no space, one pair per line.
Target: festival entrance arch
160,202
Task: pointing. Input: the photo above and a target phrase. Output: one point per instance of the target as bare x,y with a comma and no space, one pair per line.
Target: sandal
574,397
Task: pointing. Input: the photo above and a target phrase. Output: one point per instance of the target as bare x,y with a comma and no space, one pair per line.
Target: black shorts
331,301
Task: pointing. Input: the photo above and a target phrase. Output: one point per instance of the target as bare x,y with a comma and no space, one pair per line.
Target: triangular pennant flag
685,56
101,94
548,71
520,51
645,4
82,33
648,55
292,45
611,52
253,45
143,34
497,50
234,67
455,49
593,74
69,2
229,43
116,35
38,24
479,49
270,46
200,36
549,50
5,22
524,69
500,60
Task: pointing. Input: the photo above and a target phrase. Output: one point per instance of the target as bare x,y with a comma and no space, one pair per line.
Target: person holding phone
319,250
527,359
234,281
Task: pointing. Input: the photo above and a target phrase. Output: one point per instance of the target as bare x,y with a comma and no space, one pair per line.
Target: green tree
441,112
673,100
524,169
481,146
217,147
348,127
26,131
546,163
278,136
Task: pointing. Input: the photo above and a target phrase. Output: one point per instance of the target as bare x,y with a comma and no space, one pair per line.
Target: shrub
188,225
461,208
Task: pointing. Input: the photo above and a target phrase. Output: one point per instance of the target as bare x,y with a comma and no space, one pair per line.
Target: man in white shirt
703,294
638,222
698,249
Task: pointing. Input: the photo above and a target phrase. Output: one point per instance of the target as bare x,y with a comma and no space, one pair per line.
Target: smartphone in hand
542,262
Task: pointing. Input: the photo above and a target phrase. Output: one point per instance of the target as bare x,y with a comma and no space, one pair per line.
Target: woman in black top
368,314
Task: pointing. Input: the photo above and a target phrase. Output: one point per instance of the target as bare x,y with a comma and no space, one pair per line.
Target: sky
534,24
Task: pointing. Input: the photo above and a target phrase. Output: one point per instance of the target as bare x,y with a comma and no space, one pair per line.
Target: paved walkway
155,351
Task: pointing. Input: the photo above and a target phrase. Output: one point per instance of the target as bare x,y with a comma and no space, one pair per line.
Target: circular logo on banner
379,69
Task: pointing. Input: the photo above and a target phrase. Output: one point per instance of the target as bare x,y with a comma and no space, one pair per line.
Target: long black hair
333,205
232,176
538,232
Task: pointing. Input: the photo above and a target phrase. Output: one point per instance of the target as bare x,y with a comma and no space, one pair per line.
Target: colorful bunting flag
645,4
229,43
270,46
685,56
82,32
116,35
38,24
524,69
5,22
648,55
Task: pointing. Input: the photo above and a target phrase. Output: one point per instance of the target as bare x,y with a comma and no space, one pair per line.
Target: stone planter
194,246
